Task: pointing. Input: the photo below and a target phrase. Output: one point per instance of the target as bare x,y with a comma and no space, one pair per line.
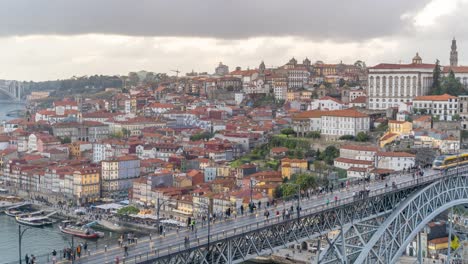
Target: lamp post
298,197
208,213
251,191
20,237
158,208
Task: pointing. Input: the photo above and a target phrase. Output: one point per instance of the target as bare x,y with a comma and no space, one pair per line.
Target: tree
313,134
128,210
452,85
306,181
205,135
362,137
341,82
65,140
436,80
346,137
126,132
288,131
319,166
329,154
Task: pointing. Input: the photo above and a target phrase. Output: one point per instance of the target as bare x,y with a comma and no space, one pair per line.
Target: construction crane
177,72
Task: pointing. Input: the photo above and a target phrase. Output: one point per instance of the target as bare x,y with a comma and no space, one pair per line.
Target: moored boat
36,221
83,232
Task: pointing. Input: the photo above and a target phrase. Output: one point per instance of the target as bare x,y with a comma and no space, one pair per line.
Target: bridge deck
173,243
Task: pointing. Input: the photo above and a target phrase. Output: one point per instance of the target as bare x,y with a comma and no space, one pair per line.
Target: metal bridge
376,229
13,89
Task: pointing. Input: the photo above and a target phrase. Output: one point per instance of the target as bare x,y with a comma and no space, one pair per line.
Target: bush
362,137
347,137
128,210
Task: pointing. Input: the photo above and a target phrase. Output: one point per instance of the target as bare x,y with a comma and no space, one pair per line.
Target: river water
40,241
6,107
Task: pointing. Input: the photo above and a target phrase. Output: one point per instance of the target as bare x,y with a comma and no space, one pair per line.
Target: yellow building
86,184
387,139
400,127
292,166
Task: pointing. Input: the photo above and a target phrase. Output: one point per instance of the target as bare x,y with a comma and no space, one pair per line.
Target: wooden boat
83,232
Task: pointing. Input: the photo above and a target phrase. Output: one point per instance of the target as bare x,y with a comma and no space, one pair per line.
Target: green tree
346,137
341,82
288,131
128,210
126,132
436,88
65,140
452,85
306,181
313,134
362,137
329,154
319,166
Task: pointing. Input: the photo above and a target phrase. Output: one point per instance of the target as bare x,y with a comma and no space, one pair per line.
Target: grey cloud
225,19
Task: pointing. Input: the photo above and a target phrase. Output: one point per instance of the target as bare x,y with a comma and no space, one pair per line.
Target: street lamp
251,191
158,208
20,237
298,197
208,213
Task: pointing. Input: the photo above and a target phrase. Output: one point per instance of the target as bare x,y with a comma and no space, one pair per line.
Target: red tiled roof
308,114
391,66
331,98
345,113
359,148
456,69
395,154
354,161
360,100
443,97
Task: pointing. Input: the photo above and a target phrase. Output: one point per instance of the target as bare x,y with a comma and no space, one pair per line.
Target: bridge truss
374,230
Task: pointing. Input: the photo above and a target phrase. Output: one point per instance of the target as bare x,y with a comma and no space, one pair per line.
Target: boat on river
36,221
22,213
84,231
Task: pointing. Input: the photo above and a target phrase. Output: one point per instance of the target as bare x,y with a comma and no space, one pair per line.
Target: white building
327,103
396,161
239,97
298,77
443,106
358,152
389,84
344,122
117,176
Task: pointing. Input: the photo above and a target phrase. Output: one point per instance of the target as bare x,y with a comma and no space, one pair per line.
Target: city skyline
91,40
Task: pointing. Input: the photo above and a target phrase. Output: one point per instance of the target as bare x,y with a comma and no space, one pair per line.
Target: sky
56,39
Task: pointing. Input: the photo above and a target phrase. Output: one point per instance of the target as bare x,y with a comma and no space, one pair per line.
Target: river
6,107
39,241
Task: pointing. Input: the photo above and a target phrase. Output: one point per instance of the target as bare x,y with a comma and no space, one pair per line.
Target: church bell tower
454,54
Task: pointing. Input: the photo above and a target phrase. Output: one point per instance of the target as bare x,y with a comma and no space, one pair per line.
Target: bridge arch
403,224
7,93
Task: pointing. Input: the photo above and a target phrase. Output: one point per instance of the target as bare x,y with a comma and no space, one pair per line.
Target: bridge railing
266,223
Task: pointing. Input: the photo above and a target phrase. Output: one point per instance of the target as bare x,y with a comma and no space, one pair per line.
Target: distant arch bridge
12,89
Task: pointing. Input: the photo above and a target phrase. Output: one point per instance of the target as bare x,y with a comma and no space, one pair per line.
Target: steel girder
390,240
264,240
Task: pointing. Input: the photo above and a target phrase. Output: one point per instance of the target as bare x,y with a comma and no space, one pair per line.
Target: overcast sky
51,39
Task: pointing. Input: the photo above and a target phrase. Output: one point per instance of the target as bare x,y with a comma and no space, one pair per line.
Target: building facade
445,106
393,83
